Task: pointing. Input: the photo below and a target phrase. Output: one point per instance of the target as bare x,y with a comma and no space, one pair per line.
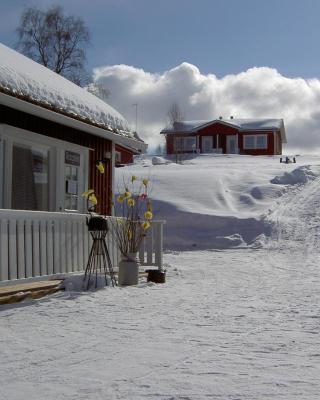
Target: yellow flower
87,193
120,199
93,199
100,167
131,202
127,194
145,182
145,225
133,178
148,215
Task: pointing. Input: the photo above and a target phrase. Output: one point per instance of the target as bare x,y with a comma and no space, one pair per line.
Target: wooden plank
13,270
68,232
29,287
43,247
4,254
35,248
159,245
80,265
142,251
28,247
75,245
21,249
62,267
56,247
50,245
149,245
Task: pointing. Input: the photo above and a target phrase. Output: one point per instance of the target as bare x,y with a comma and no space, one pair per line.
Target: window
251,142
30,189
40,173
261,142
185,143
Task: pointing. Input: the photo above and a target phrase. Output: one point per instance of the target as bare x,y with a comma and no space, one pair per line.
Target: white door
232,144
207,144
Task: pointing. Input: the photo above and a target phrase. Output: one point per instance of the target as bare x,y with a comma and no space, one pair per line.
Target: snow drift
218,201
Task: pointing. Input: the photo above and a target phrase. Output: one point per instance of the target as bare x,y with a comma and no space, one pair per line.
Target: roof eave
41,112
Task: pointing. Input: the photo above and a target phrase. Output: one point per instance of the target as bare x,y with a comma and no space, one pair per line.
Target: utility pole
136,106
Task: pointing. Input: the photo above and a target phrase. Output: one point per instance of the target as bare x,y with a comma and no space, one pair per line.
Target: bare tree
98,90
56,40
174,114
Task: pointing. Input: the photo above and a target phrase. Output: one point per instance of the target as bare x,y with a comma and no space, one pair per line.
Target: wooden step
35,286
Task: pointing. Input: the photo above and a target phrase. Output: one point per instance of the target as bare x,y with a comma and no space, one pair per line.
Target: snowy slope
227,325
22,76
219,201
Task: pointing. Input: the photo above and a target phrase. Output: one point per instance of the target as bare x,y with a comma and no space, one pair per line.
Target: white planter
128,271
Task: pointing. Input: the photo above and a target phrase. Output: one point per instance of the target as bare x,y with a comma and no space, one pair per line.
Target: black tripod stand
99,258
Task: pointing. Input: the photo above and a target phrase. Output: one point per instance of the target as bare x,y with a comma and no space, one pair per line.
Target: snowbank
218,201
299,175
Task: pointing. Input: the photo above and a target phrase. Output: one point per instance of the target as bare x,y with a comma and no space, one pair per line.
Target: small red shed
227,136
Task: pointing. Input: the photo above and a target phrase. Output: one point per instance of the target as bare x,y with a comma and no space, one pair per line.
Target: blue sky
218,36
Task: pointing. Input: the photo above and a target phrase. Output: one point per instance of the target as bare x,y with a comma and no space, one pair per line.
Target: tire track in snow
296,221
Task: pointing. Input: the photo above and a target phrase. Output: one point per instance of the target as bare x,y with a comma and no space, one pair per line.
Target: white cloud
256,93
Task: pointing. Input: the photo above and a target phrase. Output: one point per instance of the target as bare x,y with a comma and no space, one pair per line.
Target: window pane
249,142
190,143
29,178
261,142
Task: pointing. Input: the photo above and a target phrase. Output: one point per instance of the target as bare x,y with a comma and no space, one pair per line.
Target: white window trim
57,148
255,142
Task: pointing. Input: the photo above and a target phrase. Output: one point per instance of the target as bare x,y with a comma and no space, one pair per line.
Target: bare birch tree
56,40
174,114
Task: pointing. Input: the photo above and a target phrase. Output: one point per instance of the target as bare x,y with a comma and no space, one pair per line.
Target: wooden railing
36,244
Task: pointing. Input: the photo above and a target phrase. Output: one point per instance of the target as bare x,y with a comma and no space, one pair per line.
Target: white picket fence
34,244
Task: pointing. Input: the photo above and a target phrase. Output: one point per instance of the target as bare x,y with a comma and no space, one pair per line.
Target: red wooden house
227,136
52,134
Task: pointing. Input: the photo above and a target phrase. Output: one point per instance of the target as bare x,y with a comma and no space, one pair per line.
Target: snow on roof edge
46,113
25,79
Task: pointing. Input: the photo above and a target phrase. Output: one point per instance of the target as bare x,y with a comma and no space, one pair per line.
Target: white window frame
56,150
255,141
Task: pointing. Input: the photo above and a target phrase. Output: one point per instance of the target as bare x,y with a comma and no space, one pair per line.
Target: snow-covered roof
25,79
242,124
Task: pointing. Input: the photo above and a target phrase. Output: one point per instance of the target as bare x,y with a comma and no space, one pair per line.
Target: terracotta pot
128,270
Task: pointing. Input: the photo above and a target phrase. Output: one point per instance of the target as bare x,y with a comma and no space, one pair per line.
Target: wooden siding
223,131
102,183
126,154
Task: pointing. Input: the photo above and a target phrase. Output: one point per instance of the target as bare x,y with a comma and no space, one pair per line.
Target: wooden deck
18,292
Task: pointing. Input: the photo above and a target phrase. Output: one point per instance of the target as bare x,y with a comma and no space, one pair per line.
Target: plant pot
156,276
128,270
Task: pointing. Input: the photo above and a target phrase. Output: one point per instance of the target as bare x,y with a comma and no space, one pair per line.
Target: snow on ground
240,323
218,201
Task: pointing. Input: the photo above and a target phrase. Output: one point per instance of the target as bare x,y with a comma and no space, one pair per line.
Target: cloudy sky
246,58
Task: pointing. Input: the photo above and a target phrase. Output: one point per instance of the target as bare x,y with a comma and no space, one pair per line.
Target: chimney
220,117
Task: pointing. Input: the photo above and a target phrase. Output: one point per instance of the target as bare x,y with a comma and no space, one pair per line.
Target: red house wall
126,154
223,131
102,183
